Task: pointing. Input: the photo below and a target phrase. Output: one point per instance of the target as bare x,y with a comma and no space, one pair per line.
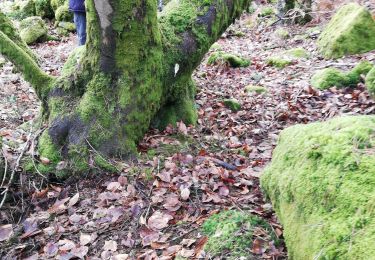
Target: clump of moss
282,33
33,29
55,4
322,185
24,9
278,62
63,28
227,58
256,89
44,9
351,31
329,77
63,14
297,53
232,104
216,47
266,11
231,234
370,81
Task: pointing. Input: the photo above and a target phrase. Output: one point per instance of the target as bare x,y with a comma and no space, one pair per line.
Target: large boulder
321,183
351,31
33,29
44,9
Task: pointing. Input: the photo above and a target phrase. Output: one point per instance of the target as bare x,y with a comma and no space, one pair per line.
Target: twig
100,154
5,169
5,192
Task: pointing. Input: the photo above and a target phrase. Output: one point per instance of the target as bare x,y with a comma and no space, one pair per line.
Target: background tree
134,70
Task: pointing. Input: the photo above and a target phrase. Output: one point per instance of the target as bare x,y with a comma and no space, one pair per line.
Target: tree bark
135,70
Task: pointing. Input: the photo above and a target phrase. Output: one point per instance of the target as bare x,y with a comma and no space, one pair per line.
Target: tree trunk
135,70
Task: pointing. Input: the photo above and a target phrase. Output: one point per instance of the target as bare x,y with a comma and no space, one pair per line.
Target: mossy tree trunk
134,70
302,9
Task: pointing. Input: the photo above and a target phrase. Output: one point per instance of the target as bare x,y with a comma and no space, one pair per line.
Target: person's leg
80,22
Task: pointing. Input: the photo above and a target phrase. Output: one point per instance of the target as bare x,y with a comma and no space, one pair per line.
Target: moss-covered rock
55,4
33,29
322,185
278,62
329,77
24,9
63,28
231,234
351,31
370,81
227,58
44,9
267,11
232,104
256,89
63,14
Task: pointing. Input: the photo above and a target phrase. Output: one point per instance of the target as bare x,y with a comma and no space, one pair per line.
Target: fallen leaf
6,231
110,246
159,220
73,200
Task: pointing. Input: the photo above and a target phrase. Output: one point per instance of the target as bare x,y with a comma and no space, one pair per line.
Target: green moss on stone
278,62
227,58
322,185
370,81
63,14
351,31
55,4
25,9
44,9
267,11
33,29
256,89
47,149
329,77
232,104
231,234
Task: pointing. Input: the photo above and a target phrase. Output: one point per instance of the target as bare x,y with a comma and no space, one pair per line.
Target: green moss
103,164
47,149
24,9
297,53
63,14
278,62
256,89
329,77
33,29
44,9
370,81
216,47
55,4
322,185
266,11
232,104
282,33
351,31
227,58
231,234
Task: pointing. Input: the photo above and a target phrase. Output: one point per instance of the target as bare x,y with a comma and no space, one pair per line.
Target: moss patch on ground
227,58
322,185
287,57
351,31
329,77
232,104
255,89
231,234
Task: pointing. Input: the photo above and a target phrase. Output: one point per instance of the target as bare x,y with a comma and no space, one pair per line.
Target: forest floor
156,205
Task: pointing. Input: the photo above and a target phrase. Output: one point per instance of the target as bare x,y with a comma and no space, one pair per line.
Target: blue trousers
80,22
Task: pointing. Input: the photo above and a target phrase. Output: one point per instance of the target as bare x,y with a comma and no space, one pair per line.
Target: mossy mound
227,58
278,62
63,14
351,31
282,33
322,185
370,81
55,4
231,234
63,28
267,11
232,104
44,9
329,77
33,29
297,53
24,9
256,89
